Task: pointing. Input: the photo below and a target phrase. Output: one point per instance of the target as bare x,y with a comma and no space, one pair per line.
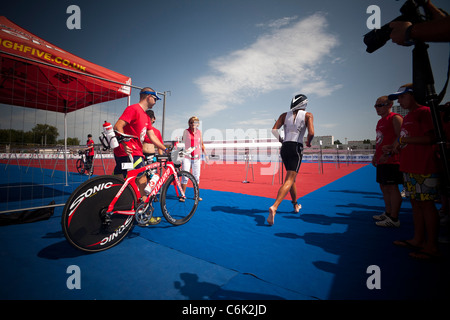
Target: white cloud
258,122
288,56
329,125
320,88
278,23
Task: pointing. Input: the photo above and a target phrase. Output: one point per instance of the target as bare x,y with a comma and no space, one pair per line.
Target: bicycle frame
131,180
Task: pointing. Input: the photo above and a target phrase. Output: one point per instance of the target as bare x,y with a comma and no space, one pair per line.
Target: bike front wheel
84,221
80,166
176,209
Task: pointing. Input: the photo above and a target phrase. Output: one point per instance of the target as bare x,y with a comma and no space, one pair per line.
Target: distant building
326,140
399,110
361,145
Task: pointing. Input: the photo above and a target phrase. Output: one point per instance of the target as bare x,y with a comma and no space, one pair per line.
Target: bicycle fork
178,186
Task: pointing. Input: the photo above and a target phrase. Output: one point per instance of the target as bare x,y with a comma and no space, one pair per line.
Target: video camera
410,10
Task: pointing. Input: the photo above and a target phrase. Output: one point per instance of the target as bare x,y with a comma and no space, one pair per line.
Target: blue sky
235,64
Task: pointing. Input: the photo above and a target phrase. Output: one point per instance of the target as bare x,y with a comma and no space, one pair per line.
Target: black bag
27,216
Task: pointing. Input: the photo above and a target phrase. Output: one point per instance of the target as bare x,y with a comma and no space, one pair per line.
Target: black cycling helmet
299,102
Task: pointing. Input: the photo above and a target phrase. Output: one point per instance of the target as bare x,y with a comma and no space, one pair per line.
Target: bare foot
271,217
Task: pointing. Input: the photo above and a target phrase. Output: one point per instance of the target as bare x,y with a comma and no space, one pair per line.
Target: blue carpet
227,251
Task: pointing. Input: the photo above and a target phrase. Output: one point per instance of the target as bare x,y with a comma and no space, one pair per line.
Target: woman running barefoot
295,123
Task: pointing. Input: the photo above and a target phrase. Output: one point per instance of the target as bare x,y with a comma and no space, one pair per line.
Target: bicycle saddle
124,137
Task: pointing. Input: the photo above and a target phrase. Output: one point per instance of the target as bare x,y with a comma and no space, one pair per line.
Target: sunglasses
381,105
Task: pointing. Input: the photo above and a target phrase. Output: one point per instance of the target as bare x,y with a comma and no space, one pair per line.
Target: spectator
192,137
148,147
387,163
89,152
418,163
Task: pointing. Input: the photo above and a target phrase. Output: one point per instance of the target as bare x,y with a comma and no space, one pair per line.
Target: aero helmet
299,102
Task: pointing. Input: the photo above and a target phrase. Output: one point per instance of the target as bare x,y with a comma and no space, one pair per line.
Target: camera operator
436,30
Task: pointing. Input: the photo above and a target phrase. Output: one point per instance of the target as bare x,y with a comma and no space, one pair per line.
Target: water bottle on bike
151,184
110,135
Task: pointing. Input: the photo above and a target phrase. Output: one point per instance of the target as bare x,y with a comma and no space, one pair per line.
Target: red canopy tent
37,74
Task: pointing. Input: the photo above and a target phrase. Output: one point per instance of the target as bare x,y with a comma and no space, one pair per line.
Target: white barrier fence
269,151
232,154
45,156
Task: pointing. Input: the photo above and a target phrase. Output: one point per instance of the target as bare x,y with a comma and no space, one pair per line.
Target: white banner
47,156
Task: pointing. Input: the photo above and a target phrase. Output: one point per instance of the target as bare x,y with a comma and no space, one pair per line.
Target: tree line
41,134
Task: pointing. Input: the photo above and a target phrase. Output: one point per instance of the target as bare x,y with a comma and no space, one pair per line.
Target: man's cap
153,93
402,90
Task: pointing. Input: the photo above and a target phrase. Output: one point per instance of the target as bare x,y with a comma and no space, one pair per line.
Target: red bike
102,210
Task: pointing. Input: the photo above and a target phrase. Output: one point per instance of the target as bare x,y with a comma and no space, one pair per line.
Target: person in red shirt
444,212
89,152
148,147
134,121
418,162
388,164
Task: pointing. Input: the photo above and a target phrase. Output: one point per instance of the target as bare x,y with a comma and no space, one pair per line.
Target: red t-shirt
386,136
137,125
417,158
157,134
90,142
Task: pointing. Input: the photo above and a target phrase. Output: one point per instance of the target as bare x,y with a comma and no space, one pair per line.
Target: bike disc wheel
175,210
83,217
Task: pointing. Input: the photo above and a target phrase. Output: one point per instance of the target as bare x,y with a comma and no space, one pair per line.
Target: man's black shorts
292,154
389,174
138,163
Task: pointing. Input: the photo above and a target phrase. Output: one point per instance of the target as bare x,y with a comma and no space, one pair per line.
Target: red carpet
229,177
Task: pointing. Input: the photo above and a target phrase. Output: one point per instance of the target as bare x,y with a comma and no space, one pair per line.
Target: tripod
424,93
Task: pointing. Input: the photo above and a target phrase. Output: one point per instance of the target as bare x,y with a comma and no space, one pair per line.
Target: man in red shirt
148,148
89,152
418,163
387,164
134,121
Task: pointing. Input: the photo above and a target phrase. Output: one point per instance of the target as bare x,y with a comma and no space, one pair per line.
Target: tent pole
164,116
65,141
164,112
